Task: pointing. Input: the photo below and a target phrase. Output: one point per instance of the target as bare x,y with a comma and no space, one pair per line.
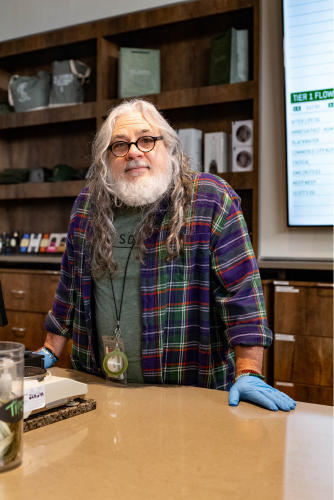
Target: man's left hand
249,388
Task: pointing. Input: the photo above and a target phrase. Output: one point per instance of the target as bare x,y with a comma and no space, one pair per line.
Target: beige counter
150,442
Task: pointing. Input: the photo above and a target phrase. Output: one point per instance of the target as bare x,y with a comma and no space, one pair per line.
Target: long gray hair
104,199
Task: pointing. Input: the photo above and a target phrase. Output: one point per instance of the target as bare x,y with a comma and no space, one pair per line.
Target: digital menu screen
308,61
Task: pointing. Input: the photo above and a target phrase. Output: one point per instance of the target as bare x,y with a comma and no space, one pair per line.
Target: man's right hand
54,342
49,359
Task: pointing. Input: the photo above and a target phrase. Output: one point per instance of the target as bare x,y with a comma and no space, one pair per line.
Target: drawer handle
17,331
18,292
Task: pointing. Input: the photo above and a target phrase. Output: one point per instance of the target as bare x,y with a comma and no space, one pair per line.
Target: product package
5,108
191,140
138,72
217,149
229,57
242,142
44,243
68,78
62,243
28,93
242,133
40,174
24,243
34,242
14,175
242,159
54,242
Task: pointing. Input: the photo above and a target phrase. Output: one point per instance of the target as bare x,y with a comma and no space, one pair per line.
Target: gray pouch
26,93
68,78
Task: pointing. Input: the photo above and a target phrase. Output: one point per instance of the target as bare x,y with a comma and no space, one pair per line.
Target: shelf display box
229,57
242,159
44,243
34,242
62,243
24,243
191,140
53,242
216,152
138,72
242,133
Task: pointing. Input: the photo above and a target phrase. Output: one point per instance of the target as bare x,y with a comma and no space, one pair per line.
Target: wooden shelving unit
47,137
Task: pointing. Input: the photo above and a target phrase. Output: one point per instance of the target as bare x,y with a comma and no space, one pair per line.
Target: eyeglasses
144,144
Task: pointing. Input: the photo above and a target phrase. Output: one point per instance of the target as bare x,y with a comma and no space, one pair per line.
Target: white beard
142,191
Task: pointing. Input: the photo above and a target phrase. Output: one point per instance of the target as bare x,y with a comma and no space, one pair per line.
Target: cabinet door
26,328
290,310
320,311
306,393
304,360
29,292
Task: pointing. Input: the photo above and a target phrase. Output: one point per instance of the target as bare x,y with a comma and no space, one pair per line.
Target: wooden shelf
238,180
38,258
49,115
41,190
200,96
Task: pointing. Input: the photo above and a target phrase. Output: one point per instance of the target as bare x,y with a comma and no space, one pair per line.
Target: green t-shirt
125,222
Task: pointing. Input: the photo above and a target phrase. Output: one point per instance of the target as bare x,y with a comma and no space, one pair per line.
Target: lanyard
118,314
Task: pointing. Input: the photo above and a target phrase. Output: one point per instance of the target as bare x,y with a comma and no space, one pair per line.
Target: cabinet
63,135
303,341
28,297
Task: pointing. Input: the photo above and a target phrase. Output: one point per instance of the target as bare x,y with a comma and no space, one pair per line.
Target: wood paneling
28,292
268,355
307,393
185,46
36,60
291,310
320,311
138,20
308,311
26,328
36,215
48,145
30,190
201,96
306,360
50,115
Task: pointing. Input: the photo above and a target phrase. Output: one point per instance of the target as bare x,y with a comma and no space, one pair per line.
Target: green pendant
115,362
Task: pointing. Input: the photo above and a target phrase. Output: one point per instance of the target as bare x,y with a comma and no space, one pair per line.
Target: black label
12,411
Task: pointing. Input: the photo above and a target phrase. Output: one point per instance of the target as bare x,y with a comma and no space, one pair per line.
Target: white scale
43,391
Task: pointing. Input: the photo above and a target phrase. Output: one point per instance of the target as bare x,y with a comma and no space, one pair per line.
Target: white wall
276,239
20,18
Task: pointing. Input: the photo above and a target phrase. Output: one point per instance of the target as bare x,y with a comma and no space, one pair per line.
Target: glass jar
11,404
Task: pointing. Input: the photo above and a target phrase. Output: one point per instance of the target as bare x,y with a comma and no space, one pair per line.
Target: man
162,256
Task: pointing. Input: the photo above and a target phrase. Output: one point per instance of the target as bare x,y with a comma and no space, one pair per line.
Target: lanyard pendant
116,362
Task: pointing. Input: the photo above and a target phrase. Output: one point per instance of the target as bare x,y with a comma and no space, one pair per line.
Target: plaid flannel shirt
195,308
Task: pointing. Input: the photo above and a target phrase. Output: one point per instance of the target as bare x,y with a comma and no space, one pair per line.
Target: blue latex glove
253,389
48,361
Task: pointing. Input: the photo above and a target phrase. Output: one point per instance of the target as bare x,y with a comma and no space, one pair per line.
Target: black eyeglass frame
159,138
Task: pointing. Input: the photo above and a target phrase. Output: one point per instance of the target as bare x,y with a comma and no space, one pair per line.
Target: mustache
136,164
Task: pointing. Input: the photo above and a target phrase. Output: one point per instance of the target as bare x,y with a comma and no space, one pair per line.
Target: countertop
175,442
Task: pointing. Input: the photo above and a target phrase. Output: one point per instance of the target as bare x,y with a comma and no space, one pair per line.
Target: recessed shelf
199,96
49,115
47,259
41,190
